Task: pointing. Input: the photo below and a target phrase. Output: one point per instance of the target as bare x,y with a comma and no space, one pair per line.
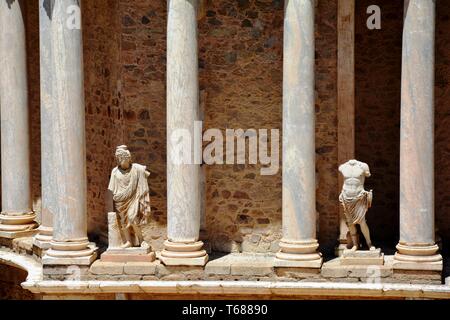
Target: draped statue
355,200
129,187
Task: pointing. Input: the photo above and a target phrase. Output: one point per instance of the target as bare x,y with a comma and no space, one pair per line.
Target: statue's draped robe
131,194
355,208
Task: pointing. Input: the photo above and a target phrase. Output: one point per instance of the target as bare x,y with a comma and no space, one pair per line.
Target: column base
298,254
80,253
17,225
418,257
184,254
43,238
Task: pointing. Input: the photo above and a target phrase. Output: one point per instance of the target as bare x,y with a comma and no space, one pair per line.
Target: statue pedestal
370,257
142,254
117,254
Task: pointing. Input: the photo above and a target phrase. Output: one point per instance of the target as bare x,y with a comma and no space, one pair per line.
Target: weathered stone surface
140,268
334,269
251,265
107,268
220,266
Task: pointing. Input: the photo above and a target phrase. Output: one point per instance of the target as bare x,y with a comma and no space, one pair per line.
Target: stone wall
104,115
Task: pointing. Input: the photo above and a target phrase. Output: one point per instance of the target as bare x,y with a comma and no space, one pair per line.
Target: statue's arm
147,174
112,181
367,170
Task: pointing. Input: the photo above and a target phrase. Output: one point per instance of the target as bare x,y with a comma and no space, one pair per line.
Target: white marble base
312,264
128,257
362,257
418,263
79,261
71,258
43,245
201,261
136,250
17,234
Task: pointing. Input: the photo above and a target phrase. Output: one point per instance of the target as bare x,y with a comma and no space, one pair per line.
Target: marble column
299,246
183,179
48,177
417,248
17,217
70,244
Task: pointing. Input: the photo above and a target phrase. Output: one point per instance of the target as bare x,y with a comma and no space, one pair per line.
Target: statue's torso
123,178
354,178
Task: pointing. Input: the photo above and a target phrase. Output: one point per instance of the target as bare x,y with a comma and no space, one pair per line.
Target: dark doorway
377,113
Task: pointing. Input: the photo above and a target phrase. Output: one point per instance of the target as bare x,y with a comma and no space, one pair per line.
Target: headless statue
355,200
130,190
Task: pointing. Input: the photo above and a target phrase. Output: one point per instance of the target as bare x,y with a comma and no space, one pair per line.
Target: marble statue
130,190
355,200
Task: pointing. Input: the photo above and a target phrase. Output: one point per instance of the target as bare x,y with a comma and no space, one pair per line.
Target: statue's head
123,157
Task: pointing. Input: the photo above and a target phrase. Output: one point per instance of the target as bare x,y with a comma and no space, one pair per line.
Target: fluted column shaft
183,179
68,145
299,244
17,217
417,233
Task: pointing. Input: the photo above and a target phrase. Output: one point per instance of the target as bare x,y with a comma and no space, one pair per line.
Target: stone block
128,257
107,268
79,261
251,265
65,270
17,234
334,269
361,257
298,273
418,266
140,268
185,261
220,266
278,263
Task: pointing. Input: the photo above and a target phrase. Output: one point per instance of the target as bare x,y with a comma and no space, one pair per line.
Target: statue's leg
129,241
138,235
354,234
365,231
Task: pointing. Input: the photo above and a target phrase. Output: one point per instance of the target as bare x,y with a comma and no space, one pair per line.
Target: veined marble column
48,178
417,248
298,248
17,217
70,244
183,180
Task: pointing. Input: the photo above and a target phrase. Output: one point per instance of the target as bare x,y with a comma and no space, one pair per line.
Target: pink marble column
48,175
70,244
183,246
417,248
17,217
299,246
